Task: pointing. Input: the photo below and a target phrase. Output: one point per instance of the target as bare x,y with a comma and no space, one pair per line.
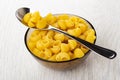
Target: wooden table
17,64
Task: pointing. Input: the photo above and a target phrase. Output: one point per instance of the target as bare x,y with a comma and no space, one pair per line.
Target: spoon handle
100,50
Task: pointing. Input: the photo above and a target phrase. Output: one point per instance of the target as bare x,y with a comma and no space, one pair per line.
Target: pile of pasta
54,46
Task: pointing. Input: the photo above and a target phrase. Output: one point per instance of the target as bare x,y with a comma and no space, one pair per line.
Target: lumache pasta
54,46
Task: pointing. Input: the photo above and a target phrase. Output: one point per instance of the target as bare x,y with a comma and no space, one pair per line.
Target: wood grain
17,64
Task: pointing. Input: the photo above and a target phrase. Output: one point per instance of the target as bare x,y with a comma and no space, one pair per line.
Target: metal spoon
100,50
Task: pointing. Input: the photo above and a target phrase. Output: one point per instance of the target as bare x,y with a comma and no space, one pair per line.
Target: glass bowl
61,65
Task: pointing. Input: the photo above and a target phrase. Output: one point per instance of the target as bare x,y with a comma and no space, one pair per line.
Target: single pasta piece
84,49
36,14
41,23
82,37
42,33
62,56
82,26
74,18
34,38
66,39
48,53
46,43
50,34
75,32
35,50
31,45
71,55
56,42
69,24
86,24
50,19
35,33
64,47
90,32
71,32
61,24
78,53
63,17
39,45
59,36
31,24
72,44
34,20
35,17
38,53
53,58
26,18
55,25
55,49
47,37
80,20
90,38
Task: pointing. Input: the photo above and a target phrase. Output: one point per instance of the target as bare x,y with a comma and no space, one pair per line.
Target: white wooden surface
17,64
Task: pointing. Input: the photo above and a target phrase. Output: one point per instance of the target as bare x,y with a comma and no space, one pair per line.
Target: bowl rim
88,52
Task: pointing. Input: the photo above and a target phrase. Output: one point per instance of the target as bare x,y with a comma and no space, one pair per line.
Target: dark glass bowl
61,65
